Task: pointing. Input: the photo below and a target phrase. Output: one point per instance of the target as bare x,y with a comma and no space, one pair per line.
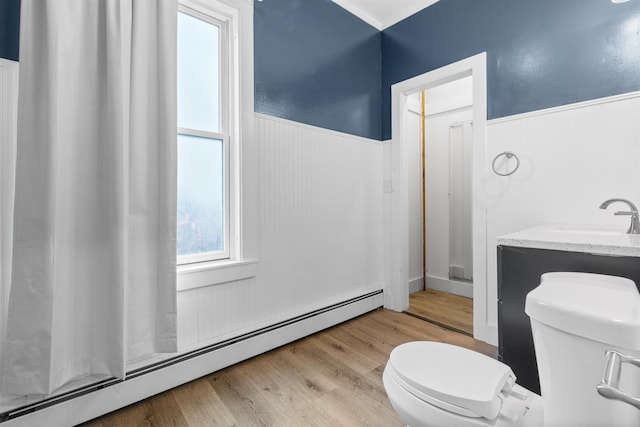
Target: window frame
244,220
225,129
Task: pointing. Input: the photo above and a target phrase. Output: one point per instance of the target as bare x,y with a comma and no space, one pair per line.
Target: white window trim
198,275
243,150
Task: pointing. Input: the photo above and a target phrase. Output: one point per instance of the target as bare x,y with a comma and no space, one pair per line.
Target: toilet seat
452,378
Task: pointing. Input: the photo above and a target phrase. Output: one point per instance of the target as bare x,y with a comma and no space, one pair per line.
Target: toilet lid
453,378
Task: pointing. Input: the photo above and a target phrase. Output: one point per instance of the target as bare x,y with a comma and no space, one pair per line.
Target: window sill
191,276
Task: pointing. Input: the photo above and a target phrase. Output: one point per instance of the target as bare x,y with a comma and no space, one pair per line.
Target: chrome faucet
634,227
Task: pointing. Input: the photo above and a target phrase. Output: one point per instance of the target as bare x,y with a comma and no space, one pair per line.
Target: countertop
601,240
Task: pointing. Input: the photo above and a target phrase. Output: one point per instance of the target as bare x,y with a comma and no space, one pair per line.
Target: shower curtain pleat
93,279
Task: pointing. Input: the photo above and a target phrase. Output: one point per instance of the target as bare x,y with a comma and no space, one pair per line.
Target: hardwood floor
332,378
447,309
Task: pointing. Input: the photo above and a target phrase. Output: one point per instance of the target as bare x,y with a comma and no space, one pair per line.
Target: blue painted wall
540,54
317,64
9,29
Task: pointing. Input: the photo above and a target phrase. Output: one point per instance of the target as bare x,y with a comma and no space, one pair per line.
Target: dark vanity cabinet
519,271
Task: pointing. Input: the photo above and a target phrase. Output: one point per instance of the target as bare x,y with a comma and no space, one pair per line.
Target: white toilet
575,319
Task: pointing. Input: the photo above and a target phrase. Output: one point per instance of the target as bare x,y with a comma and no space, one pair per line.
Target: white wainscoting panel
571,159
321,215
320,234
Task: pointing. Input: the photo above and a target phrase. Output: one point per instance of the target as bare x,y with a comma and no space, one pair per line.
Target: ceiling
383,13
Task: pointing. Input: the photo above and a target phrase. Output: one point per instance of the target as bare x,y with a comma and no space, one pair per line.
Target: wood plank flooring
444,308
332,378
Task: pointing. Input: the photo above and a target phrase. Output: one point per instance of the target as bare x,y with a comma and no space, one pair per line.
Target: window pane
198,74
200,195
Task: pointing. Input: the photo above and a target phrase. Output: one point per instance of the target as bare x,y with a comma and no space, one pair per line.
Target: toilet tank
575,318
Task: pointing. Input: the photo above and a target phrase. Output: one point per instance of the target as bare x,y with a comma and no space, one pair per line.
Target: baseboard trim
114,394
464,289
416,285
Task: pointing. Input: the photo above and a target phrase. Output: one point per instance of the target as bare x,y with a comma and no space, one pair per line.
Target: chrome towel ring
509,155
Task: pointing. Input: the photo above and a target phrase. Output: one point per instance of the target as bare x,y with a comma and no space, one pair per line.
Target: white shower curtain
93,282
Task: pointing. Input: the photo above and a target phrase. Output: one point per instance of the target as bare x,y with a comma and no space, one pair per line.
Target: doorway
440,138
401,155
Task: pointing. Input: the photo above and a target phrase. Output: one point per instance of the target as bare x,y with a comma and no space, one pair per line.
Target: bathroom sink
595,239
595,230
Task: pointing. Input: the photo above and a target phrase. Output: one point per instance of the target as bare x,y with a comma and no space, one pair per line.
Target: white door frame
397,289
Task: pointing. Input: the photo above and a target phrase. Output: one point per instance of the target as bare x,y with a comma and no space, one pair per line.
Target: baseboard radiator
86,403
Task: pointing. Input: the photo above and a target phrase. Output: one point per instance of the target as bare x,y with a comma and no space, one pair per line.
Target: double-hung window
203,215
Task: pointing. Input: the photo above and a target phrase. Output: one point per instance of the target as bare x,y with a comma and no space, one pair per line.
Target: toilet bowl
575,319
